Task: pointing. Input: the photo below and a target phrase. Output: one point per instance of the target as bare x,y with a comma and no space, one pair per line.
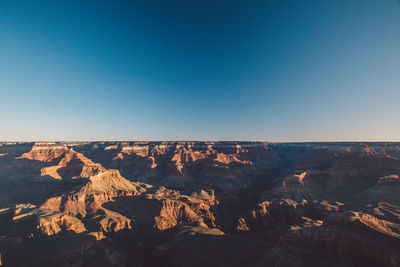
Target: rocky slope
199,204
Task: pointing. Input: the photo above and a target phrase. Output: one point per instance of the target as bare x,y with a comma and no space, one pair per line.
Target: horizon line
157,141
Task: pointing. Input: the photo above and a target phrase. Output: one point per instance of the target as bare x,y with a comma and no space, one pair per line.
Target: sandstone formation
199,204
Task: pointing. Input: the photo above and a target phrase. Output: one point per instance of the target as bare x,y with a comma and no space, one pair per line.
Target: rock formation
199,204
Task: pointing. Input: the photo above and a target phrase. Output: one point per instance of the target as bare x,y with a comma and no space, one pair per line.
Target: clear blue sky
200,70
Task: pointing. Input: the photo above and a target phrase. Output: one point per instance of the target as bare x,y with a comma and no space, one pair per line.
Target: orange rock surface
199,204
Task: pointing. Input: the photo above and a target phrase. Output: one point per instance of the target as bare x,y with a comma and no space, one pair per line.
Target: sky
311,70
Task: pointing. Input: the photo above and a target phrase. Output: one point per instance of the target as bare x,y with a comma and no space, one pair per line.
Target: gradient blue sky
200,70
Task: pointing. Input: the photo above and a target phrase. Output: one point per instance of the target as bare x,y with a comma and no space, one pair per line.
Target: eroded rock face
359,238
73,165
177,208
199,204
178,164
46,152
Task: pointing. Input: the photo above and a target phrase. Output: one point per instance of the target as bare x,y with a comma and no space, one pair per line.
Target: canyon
199,204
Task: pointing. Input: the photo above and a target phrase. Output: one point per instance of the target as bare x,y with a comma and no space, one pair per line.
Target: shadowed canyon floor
199,204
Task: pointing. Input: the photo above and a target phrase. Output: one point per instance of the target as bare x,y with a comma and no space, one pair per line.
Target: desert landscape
199,204
199,133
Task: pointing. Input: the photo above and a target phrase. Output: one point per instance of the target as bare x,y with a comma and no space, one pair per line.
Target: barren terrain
199,204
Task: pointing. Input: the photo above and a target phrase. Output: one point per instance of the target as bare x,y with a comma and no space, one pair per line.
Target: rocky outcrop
387,190
230,158
73,165
99,189
360,239
176,208
184,155
45,152
269,214
55,223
